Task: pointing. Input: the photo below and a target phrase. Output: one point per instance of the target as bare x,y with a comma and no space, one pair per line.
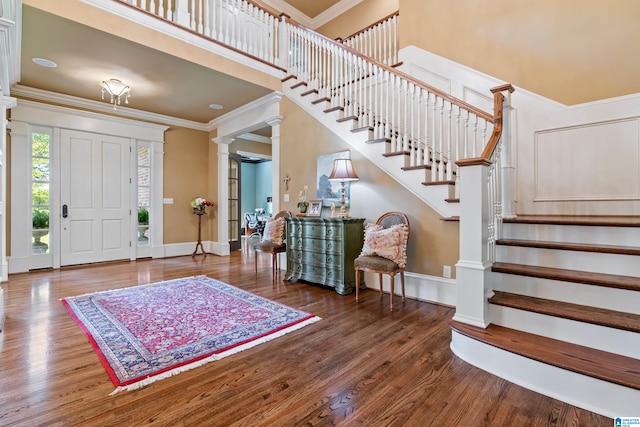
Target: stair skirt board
604,398
432,195
575,293
603,338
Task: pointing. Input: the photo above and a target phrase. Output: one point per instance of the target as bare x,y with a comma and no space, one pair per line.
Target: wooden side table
199,212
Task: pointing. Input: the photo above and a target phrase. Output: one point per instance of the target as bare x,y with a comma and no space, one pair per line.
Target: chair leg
274,263
392,294
380,280
402,280
255,260
357,285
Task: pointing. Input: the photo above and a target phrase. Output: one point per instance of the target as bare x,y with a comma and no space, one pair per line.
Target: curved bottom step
601,382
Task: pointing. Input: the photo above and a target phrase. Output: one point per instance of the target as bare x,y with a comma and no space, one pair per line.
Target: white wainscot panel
598,161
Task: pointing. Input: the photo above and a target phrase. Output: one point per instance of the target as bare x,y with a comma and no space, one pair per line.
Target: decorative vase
199,211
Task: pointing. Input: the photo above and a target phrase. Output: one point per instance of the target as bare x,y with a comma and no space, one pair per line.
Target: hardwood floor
359,366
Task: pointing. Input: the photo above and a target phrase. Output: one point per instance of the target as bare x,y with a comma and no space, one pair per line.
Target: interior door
235,240
95,198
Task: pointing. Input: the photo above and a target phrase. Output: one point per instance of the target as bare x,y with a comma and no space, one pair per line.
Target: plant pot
141,230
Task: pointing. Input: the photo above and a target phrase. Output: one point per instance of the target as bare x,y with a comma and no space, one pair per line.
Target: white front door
95,198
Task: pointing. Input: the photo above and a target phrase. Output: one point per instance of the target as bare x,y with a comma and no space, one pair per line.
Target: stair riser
624,265
602,338
576,293
619,236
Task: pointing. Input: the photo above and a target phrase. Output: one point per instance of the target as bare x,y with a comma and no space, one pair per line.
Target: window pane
40,194
144,196
40,144
144,159
40,169
40,241
144,176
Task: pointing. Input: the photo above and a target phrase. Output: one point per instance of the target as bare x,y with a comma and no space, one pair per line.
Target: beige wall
358,17
571,51
433,242
186,176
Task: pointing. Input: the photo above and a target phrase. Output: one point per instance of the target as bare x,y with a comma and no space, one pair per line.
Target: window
144,194
40,181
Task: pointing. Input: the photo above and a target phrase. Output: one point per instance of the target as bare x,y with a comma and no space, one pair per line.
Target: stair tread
584,247
587,220
577,312
595,363
575,276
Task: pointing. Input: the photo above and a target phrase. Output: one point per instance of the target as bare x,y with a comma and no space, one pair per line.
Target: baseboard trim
419,286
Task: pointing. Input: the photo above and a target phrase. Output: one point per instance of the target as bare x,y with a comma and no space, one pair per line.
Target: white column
222,245
473,267
7,103
275,161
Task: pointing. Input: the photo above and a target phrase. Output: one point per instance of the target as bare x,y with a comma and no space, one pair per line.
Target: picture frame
330,191
315,208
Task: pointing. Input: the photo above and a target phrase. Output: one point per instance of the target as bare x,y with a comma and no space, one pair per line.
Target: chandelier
116,89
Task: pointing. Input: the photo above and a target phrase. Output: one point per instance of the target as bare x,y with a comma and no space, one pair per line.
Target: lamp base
343,212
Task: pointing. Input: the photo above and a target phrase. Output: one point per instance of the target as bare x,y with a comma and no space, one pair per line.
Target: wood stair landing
565,310
594,363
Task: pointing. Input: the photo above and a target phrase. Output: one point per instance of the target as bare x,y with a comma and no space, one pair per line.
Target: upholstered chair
384,251
273,239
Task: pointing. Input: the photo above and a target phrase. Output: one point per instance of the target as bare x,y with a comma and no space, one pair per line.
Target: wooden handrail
455,101
492,144
380,21
196,33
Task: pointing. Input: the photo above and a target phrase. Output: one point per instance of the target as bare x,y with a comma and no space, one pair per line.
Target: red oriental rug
146,333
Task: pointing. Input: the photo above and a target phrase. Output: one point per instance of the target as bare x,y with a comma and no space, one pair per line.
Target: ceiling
160,83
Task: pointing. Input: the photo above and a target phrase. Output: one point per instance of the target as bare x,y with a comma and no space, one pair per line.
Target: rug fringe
214,357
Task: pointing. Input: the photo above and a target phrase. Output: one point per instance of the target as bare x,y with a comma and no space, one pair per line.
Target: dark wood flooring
361,365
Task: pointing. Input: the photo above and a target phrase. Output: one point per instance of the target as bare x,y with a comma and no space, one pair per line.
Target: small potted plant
143,222
303,203
40,223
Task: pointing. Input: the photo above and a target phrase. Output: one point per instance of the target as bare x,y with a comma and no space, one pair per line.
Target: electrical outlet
446,271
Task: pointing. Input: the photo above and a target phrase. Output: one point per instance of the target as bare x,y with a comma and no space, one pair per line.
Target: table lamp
343,172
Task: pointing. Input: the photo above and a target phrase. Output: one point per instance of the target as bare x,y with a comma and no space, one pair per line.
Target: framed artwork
329,191
315,208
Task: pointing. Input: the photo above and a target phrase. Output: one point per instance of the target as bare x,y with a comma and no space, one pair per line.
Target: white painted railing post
282,59
473,267
182,15
507,164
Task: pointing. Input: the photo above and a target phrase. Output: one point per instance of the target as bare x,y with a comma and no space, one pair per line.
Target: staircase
555,300
566,293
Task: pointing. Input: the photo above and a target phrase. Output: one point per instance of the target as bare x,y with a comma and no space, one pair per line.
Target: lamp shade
343,171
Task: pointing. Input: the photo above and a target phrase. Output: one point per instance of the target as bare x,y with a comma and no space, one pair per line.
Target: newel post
472,269
283,42
507,145
182,15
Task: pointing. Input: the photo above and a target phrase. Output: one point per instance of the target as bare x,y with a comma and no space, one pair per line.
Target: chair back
390,219
251,219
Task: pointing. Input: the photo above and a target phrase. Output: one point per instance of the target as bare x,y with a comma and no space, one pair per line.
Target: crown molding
103,107
255,138
258,104
333,12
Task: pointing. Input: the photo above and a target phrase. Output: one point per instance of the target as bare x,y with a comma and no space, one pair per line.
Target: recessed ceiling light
44,62
215,106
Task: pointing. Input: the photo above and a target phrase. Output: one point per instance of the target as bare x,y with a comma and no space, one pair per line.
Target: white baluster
449,170
192,12
169,11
